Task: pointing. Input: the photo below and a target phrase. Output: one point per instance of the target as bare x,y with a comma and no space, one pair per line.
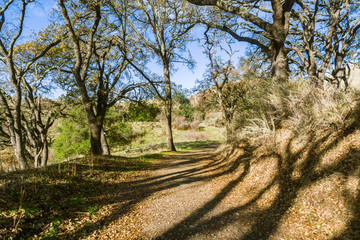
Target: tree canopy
100,53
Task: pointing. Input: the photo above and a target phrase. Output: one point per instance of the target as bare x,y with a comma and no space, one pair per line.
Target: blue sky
38,17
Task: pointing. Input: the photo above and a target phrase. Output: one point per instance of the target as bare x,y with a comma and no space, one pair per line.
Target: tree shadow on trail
58,197
352,230
295,171
144,188
64,193
180,230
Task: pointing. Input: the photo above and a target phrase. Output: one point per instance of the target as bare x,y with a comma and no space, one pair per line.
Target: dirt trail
194,195
188,185
189,191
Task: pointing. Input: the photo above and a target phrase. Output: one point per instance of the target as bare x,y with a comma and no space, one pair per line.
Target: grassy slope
302,187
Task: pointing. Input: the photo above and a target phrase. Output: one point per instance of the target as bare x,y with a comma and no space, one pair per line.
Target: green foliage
52,230
187,111
141,112
117,132
73,135
92,210
76,201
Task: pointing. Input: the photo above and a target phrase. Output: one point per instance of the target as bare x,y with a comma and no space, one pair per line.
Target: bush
119,133
141,112
180,123
186,110
196,136
73,138
8,161
73,135
195,126
215,119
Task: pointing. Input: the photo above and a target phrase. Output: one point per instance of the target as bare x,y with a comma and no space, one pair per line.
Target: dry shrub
215,119
196,136
307,107
180,123
306,137
301,107
195,126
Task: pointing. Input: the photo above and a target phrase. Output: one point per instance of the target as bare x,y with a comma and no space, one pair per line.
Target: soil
185,199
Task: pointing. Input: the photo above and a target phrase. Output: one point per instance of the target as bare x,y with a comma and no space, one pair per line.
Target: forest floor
206,193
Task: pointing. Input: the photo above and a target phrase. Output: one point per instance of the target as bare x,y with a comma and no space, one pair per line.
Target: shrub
298,106
73,138
196,136
8,161
180,123
195,126
215,119
141,112
119,133
186,110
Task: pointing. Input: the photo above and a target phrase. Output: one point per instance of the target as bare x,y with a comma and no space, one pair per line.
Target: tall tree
254,16
38,115
323,38
16,68
163,27
96,63
220,78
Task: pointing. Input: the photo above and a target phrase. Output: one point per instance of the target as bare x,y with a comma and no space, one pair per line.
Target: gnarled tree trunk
168,108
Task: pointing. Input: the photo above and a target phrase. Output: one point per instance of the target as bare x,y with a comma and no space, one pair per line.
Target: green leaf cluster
186,110
141,112
73,136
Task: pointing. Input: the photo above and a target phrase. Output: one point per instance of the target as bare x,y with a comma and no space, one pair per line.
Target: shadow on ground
100,186
265,222
36,202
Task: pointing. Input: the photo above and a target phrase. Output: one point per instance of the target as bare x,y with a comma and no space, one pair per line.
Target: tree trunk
36,160
280,30
104,144
227,115
19,150
168,108
95,138
312,69
95,119
13,118
279,71
45,153
18,144
339,71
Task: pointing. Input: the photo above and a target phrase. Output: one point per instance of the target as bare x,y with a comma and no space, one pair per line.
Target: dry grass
305,187
195,136
301,107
